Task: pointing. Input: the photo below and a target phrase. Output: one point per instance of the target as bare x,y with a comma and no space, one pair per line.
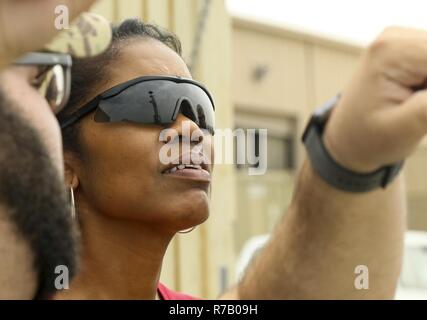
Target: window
281,141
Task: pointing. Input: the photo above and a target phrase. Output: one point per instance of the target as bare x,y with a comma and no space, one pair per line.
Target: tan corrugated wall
194,261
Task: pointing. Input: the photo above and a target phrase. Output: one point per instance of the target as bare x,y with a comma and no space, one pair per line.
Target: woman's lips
191,166
189,172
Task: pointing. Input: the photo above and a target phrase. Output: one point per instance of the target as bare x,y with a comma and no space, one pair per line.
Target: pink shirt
167,294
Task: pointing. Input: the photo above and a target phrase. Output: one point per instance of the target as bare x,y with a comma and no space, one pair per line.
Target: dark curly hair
89,72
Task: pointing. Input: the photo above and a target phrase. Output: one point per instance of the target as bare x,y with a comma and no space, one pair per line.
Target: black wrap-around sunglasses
150,100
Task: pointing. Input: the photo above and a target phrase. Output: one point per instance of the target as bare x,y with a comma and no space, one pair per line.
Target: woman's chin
191,216
175,212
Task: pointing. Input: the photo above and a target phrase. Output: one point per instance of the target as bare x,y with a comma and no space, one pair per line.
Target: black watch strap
335,174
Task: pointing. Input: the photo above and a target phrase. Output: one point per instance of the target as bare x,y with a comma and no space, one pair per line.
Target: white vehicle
250,248
413,279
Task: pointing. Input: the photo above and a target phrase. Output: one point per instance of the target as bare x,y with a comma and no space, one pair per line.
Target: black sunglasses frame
93,104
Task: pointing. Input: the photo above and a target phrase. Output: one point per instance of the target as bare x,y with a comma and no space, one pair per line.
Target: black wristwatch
332,172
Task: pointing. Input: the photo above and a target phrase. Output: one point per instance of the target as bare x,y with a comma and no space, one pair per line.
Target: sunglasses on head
150,100
54,78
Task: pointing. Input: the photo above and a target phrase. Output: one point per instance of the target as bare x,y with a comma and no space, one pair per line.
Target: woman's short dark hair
89,72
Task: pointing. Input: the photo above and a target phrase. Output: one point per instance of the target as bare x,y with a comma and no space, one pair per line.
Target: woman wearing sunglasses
130,204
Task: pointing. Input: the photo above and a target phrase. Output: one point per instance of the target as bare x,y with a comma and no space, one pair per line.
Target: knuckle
419,100
386,40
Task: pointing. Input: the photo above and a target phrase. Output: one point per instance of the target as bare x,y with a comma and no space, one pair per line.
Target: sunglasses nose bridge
186,108
185,113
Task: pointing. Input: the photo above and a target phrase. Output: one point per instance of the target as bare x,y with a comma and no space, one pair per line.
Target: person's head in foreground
37,233
129,203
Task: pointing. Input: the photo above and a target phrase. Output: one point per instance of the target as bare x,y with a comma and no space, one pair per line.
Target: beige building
262,77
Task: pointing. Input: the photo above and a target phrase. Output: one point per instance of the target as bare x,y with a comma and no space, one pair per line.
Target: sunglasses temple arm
73,118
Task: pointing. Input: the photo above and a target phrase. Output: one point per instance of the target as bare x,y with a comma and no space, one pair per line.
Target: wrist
338,166
343,153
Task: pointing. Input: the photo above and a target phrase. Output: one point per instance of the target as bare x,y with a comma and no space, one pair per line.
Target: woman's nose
187,129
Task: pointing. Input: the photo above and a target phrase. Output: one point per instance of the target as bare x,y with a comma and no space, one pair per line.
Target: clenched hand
382,115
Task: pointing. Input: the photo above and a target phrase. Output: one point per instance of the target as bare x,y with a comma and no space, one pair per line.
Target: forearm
325,234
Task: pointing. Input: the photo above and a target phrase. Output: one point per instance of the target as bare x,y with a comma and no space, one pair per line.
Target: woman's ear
70,172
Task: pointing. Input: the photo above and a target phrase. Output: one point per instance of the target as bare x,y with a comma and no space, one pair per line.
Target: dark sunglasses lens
196,105
137,104
204,109
157,102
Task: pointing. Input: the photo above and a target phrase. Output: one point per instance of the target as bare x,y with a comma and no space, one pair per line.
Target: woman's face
121,174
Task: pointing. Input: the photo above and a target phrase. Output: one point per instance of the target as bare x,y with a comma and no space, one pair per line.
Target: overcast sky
356,21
